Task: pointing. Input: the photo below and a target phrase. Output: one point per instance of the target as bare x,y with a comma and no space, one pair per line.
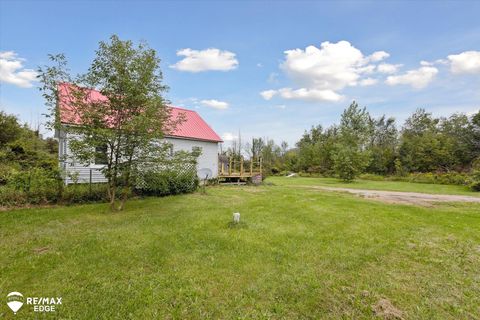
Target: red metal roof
193,126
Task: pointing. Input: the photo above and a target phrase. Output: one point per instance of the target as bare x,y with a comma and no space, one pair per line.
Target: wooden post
230,166
241,166
223,168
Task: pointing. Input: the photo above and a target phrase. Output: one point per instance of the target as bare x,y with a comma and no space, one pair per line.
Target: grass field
376,185
297,253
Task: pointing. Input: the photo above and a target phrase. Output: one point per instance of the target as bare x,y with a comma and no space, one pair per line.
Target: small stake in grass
236,217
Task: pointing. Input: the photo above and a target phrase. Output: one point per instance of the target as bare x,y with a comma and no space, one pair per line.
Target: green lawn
375,185
298,253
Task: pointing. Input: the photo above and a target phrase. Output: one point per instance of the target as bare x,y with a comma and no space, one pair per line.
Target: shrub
6,173
372,177
437,178
167,182
83,193
38,185
10,197
349,162
474,180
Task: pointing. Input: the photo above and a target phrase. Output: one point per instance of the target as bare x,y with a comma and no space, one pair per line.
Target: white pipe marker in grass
236,217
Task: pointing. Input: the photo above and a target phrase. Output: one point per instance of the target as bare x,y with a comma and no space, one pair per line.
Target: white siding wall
86,172
209,157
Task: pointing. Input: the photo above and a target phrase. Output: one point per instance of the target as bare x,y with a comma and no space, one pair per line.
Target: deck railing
238,167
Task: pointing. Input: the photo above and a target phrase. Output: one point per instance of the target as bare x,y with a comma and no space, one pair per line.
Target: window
101,154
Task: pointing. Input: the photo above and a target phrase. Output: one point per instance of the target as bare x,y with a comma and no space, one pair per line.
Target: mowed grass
376,185
297,254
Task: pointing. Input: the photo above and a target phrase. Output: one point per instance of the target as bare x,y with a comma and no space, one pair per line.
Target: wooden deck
240,170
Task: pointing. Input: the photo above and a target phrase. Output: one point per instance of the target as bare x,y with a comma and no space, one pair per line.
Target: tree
382,146
125,126
351,155
422,147
11,129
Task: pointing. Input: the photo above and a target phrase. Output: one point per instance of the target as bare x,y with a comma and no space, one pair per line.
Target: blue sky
270,69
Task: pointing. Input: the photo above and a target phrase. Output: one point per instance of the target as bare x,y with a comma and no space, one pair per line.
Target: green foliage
55,193
83,193
441,146
474,180
349,162
351,156
127,124
372,177
168,182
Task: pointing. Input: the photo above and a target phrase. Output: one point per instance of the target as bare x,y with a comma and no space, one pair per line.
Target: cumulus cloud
303,94
332,66
378,56
205,60
13,72
228,136
322,72
212,103
368,82
388,68
268,94
467,62
417,78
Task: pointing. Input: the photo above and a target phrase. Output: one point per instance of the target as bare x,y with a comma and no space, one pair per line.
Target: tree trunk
112,194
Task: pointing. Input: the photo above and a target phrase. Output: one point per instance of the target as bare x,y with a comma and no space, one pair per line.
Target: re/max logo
44,304
36,300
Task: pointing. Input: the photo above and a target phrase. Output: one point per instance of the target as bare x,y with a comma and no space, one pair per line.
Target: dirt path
415,198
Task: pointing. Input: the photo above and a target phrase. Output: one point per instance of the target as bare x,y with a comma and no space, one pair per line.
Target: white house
192,132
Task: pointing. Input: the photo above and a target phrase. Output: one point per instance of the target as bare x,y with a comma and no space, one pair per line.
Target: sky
261,68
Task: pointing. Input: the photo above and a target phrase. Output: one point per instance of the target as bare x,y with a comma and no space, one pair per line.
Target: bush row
167,182
453,178
38,186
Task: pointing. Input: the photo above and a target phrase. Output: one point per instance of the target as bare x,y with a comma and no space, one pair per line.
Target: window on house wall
101,154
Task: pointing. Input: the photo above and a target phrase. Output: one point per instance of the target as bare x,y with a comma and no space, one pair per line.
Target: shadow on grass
237,225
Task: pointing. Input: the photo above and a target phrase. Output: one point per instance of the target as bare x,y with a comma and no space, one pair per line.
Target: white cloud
332,66
465,62
205,60
378,56
426,63
368,82
228,136
212,103
280,106
303,94
418,78
388,68
12,71
268,94
320,73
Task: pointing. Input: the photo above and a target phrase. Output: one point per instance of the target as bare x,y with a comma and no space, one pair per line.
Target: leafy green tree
382,146
351,154
422,147
11,129
349,161
127,125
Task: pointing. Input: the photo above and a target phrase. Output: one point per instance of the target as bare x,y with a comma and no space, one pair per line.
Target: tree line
361,144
